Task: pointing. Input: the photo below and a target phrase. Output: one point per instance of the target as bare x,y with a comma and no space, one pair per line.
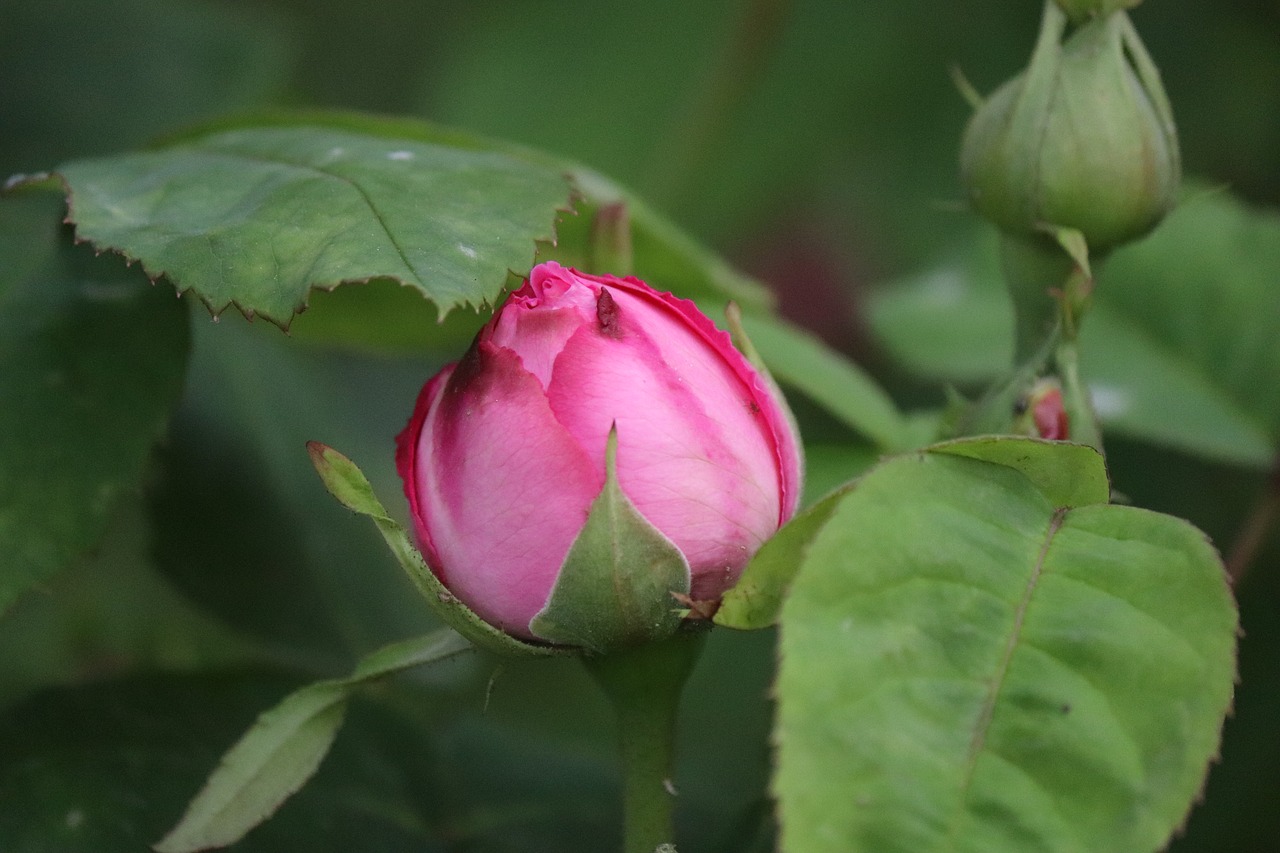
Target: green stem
1036,269
1075,396
644,685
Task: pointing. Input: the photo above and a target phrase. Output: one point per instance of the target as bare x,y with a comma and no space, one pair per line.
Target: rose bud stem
644,684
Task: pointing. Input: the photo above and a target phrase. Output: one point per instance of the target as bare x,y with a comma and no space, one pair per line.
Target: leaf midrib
987,713
311,168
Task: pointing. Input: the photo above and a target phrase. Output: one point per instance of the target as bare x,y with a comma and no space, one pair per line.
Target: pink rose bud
506,450
1042,413
1051,416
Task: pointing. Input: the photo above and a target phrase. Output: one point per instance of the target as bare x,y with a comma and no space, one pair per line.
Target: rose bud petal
506,450
1042,413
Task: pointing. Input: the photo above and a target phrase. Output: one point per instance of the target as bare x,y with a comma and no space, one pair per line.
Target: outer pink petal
407,454
501,486
713,492
683,334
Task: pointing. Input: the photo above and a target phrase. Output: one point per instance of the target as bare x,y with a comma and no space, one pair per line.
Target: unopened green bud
1082,139
1082,10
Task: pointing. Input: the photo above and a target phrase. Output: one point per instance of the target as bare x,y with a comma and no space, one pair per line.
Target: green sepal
348,484
618,583
756,599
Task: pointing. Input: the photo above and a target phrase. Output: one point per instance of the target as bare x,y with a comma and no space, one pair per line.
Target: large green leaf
91,362
255,212
285,746
257,216
968,666
1067,474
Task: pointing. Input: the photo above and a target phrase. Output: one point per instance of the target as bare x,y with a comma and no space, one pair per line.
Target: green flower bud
1082,10
1082,139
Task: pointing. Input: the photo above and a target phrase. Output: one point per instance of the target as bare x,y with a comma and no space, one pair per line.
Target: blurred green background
812,142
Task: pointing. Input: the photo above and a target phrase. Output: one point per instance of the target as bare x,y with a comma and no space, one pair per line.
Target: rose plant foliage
959,600
506,448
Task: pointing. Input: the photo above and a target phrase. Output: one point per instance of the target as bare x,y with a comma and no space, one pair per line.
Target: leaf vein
987,712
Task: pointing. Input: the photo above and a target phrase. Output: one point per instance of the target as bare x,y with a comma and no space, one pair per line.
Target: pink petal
683,334
657,310
537,320
407,454
700,465
502,488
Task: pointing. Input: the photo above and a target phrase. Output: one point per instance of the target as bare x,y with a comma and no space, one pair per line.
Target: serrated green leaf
346,483
285,746
91,363
615,587
258,216
1069,475
255,212
966,667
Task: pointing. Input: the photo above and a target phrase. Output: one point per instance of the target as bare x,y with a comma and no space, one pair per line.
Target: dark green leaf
91,362
285,746
346,483
616,586
258,216
110,613
967,667
108,767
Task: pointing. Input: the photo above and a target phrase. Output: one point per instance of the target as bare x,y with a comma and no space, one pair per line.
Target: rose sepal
618,584
346,482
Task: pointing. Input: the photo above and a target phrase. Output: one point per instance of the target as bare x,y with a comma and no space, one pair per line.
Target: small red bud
1050,416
